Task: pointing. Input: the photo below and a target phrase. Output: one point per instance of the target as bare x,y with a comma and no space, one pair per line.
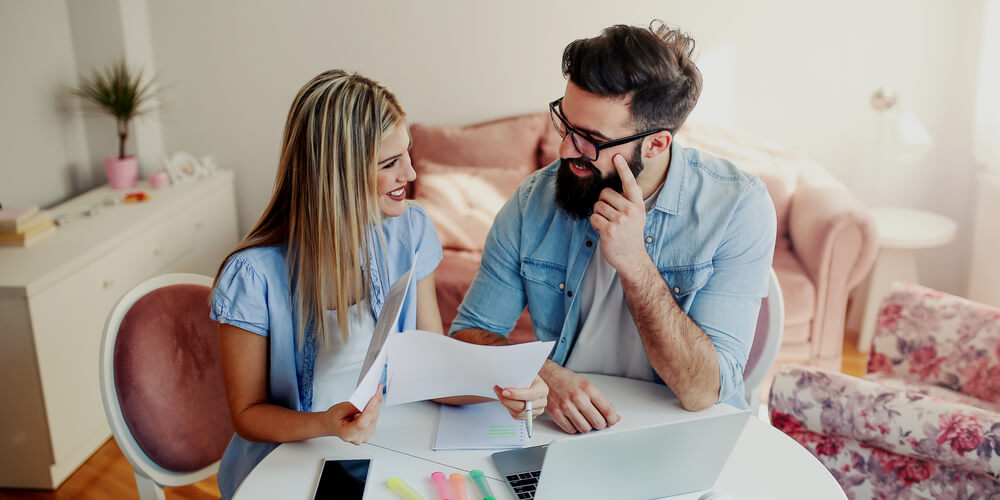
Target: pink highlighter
440,484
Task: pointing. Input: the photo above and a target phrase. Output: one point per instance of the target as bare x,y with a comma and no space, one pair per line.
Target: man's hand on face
575,404
620,218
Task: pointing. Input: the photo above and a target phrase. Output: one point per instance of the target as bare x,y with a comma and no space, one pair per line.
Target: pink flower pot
122,172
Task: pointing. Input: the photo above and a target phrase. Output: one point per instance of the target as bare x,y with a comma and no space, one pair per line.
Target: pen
484,487
402,489
458,485
441,484
527,408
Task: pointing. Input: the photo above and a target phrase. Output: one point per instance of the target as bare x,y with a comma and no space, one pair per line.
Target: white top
608,342
907,228
338,365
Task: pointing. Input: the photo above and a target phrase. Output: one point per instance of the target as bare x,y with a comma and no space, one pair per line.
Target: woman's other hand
516,400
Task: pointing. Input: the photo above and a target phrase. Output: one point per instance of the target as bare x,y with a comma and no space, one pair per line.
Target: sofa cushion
508,142
462,201
776,167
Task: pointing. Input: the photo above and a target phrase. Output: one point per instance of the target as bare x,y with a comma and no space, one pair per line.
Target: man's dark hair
652,66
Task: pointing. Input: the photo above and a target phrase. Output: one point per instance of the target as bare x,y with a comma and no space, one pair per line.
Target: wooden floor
107,475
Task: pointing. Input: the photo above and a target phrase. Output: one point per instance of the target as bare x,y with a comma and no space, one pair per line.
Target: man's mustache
582,164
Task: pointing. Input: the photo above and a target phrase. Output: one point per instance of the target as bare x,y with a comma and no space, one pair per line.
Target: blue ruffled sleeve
425,242
240,296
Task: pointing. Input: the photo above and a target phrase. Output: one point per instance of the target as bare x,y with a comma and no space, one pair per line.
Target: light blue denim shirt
711,234
252,293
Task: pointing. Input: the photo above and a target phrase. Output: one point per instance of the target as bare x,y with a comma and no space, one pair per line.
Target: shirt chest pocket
545,286
685,281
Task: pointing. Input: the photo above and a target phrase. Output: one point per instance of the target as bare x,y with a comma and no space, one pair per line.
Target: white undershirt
338,365
608,342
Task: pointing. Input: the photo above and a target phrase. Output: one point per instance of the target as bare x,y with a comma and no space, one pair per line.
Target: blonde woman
296,301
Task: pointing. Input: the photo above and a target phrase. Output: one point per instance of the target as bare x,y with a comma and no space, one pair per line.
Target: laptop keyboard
524,484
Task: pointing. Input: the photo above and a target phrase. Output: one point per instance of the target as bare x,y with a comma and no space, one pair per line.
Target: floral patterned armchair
925,421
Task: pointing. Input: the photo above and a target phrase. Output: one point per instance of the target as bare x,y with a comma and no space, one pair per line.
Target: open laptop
643,463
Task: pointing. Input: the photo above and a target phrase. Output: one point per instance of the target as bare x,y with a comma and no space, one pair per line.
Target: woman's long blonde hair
325,202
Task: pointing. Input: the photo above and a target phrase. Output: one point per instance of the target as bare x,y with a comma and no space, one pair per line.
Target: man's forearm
482,337
679,351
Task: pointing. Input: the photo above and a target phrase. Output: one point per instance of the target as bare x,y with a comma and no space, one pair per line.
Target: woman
336,233
290,354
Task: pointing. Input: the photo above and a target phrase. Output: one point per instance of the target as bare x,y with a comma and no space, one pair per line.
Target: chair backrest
161,380
766,341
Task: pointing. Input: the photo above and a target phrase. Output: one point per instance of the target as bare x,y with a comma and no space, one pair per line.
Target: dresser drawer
69,322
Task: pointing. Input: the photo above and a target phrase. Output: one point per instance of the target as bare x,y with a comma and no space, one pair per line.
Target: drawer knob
107,283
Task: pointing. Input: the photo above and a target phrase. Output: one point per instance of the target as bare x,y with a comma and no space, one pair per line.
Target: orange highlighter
458,486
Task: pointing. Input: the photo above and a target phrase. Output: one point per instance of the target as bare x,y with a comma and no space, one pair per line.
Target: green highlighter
480,479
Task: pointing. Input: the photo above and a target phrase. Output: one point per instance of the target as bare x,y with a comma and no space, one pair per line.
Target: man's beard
577,195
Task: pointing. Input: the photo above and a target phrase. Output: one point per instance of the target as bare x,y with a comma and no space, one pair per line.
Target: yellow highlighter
399,487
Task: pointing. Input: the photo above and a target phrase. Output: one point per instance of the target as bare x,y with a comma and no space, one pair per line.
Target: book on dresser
27,229
12,219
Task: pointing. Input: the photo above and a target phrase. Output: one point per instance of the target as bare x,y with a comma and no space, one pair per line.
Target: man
641,258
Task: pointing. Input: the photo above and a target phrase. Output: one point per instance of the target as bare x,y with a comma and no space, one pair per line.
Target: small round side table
901,231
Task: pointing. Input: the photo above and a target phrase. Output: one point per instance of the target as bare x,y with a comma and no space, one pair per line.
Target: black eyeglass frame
554,113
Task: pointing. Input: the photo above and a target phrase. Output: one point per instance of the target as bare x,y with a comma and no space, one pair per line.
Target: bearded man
639,257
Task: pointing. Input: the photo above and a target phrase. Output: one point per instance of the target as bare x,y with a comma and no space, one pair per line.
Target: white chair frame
150,478
753,380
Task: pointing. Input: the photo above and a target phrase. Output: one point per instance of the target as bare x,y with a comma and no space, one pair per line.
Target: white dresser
55,297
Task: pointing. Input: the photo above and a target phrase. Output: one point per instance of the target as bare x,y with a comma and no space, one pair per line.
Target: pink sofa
826,240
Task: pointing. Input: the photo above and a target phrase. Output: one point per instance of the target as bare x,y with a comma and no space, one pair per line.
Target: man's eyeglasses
585,145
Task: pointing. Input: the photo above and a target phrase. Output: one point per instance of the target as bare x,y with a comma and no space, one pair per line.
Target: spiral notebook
484,426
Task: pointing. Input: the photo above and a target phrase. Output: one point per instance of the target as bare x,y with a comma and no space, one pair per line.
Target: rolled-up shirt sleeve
726,308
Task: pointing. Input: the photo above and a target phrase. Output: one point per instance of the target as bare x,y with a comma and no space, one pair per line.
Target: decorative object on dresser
119,91
826,244
55,299
184,167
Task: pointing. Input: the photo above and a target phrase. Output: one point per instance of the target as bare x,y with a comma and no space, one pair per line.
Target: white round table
901,232
765,463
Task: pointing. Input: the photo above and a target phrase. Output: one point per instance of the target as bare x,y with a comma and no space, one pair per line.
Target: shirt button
677,289
569,294
590,243
649,239
562,286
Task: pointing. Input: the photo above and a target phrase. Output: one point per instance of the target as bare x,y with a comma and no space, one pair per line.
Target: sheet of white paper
388,321
368,383
485,426
426,365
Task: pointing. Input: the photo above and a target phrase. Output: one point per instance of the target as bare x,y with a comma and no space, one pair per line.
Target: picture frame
182,167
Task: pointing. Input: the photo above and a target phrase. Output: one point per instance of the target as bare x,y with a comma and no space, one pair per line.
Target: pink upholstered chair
161,383
766,341
924,422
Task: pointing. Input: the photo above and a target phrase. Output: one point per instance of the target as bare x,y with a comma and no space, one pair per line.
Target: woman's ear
657,143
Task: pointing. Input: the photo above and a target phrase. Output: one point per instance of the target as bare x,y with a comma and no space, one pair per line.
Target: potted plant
120,92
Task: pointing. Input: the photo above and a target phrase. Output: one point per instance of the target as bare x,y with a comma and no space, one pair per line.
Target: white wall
43,150
797,72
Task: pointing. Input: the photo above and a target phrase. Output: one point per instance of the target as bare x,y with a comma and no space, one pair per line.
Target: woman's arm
244,371
428,313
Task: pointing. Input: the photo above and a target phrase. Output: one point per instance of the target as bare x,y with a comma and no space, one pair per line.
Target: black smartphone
342,479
